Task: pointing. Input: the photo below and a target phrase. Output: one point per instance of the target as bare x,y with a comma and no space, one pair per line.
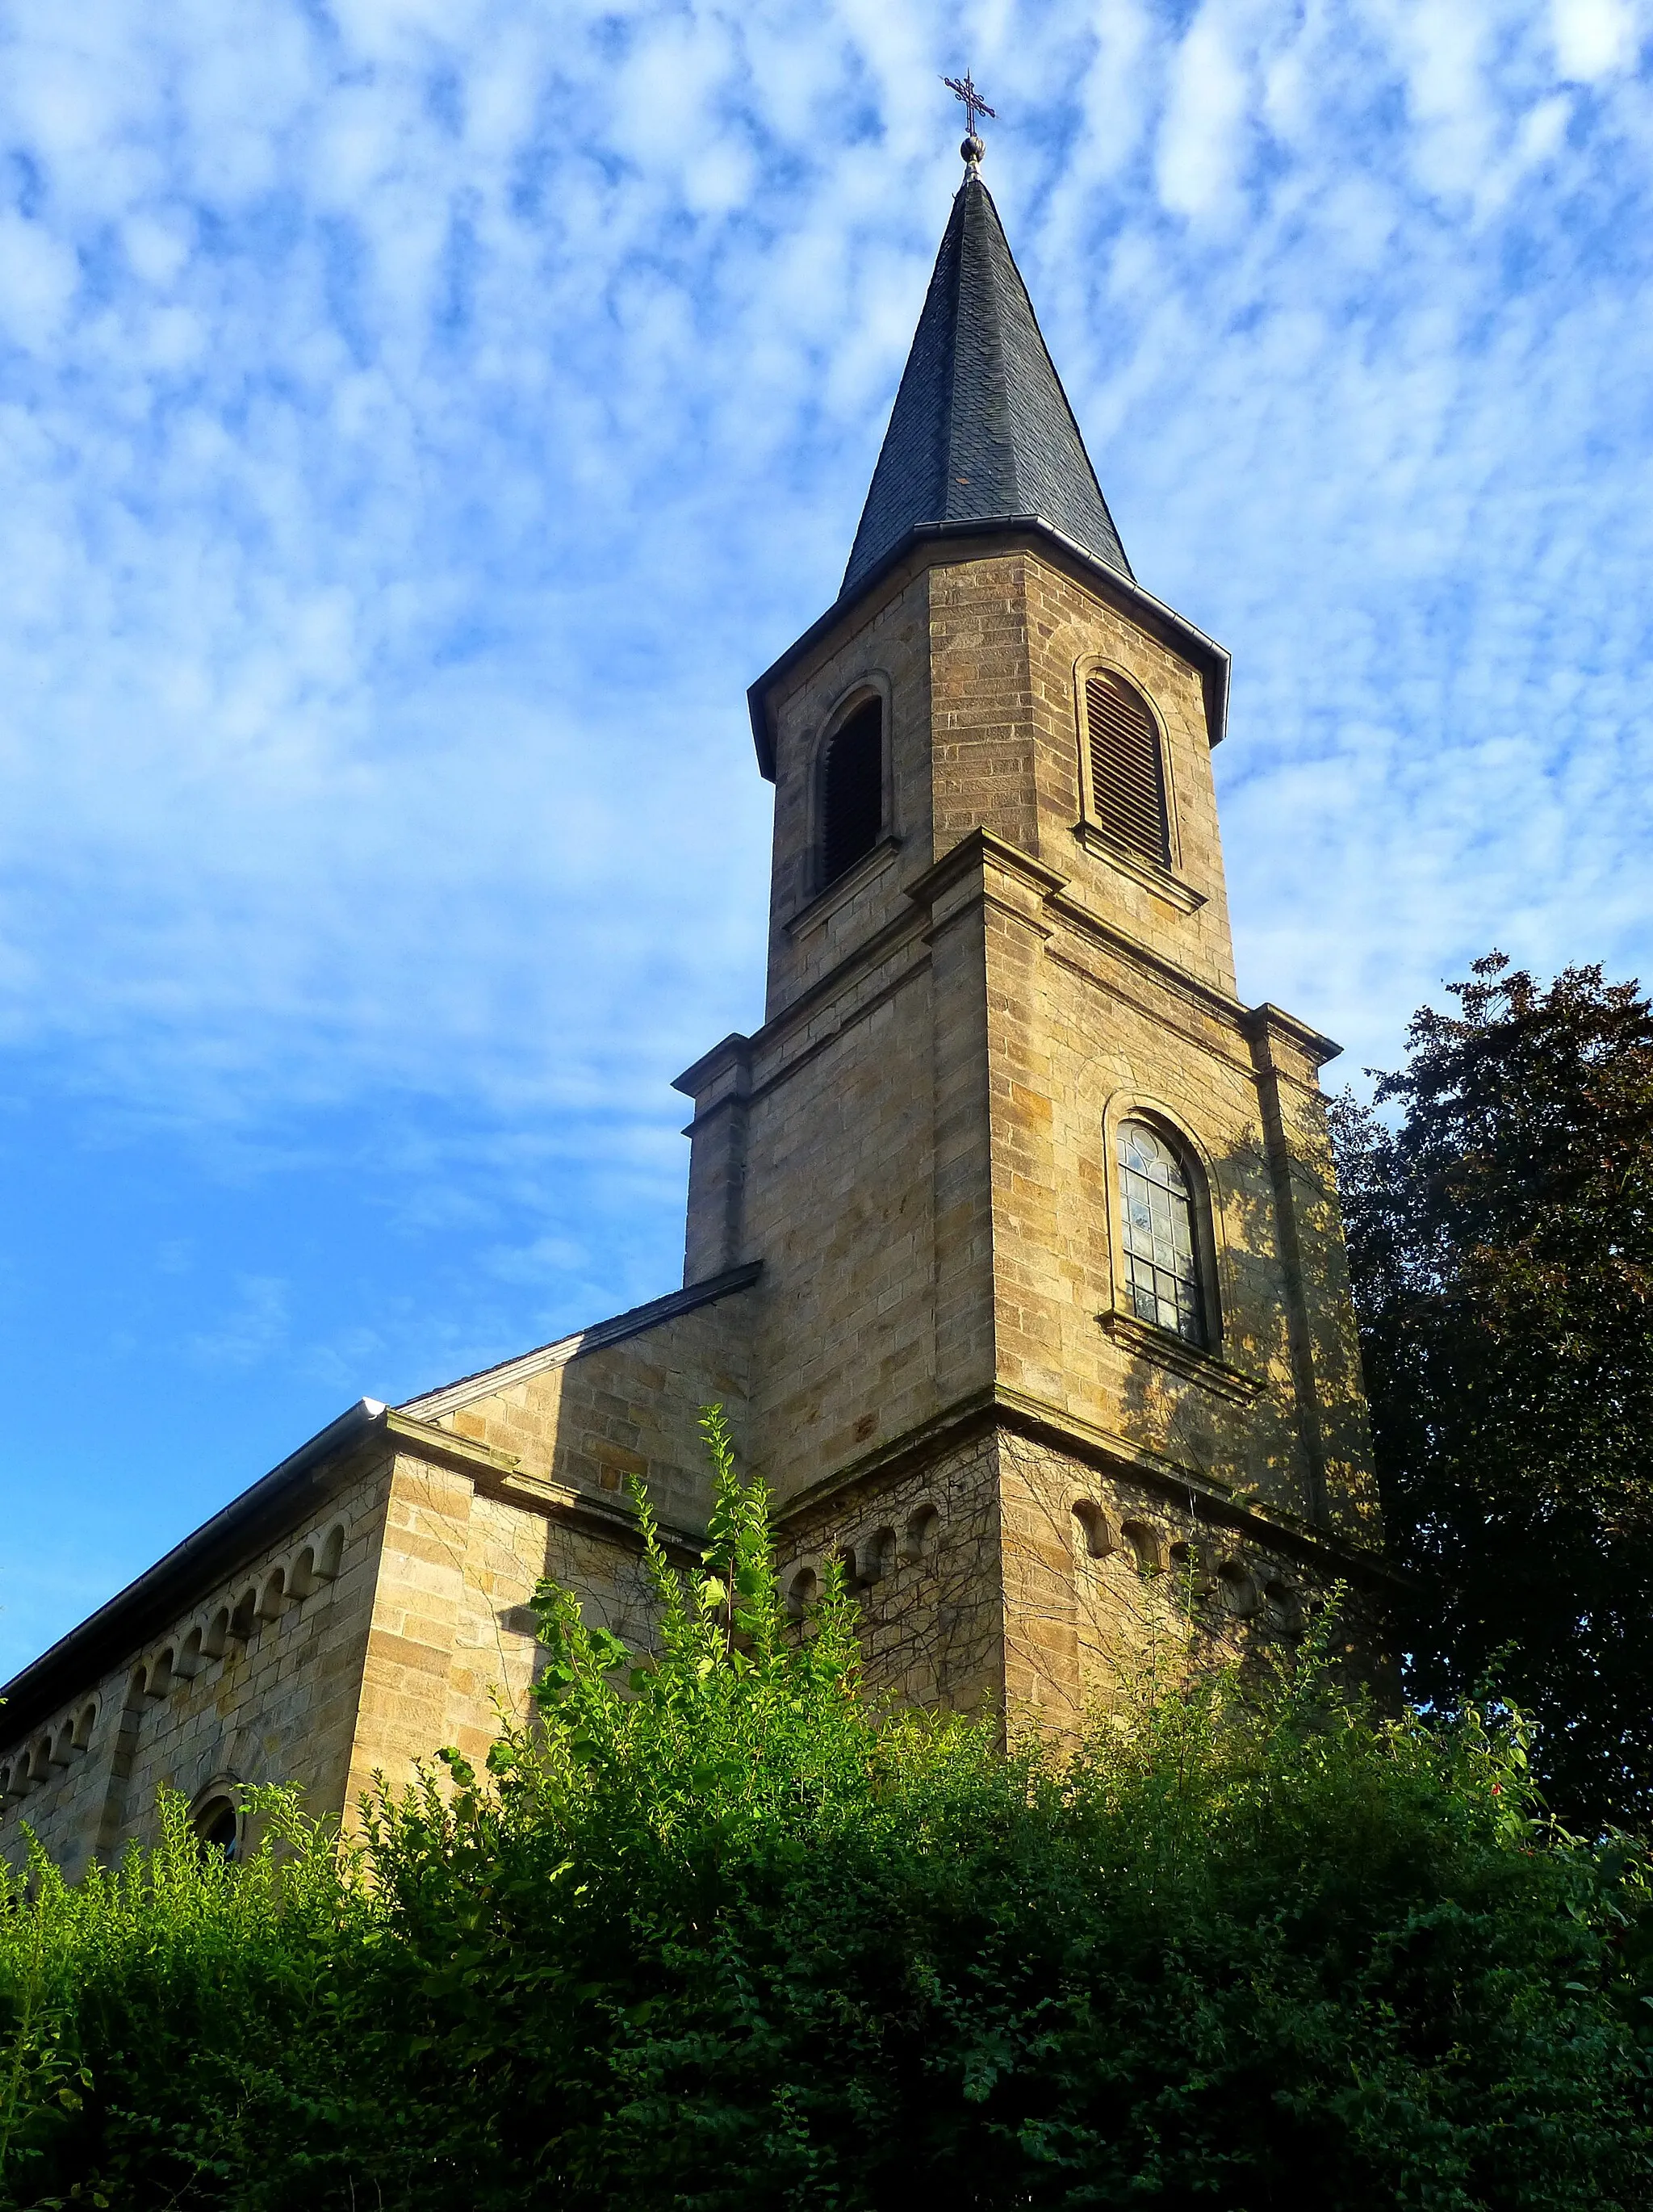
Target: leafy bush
713,1934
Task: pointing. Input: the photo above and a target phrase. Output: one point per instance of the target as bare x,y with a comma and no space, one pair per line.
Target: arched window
852,792
1162,1265
1092,1525
218,1828
1127,774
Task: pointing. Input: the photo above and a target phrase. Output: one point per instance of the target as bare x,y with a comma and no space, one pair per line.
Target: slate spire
982,429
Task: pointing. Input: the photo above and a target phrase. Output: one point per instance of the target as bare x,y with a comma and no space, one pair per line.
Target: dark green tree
1501,1242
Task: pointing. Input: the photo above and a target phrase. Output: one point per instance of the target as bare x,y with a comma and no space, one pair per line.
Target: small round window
1162,1267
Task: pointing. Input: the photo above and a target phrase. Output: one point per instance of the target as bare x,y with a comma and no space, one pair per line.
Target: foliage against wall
716,1933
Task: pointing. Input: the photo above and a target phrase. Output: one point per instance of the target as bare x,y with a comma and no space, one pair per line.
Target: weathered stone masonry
904,1260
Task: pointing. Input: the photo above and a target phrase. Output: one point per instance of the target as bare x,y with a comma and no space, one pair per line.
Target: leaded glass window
1162,1268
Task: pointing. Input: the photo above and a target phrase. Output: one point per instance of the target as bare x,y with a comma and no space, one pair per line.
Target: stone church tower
1013,1252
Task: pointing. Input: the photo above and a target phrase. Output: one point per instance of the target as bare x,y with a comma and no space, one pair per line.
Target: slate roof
981,428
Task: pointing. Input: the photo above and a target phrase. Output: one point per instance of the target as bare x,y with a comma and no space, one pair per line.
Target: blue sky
417,424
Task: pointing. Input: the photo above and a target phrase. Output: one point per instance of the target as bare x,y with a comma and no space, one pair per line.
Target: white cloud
1593,38
1202,137
38,279
443,414
418,421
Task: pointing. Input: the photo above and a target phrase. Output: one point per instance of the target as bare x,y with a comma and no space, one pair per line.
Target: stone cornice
838,893
740,1053
1049,899
731,1057
982,848
1267,1022
501,1474
1159,1345
933,543
447,1447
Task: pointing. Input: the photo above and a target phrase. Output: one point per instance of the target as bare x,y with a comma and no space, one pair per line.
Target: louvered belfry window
1162,1268
1127,775
853,791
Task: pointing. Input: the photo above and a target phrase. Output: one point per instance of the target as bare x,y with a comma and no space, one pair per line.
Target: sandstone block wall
919,1550
903,1278
981,656
1070,629
1007,1574
355,1645
919,1145
524,1474
587,1416
1115,1586
451,1649
884,646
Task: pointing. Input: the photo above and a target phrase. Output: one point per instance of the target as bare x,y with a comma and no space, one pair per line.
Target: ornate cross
964,88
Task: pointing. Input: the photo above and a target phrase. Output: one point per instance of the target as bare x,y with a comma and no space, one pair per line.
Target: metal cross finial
964,89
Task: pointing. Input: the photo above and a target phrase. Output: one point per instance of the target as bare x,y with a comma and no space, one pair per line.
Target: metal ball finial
972,149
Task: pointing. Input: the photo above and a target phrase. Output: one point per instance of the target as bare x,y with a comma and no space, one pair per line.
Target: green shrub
713,1933
165,2025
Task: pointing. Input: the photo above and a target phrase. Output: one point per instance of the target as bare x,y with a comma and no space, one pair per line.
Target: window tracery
1162,1266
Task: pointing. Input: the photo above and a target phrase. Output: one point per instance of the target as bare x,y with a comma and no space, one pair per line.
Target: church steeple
981,432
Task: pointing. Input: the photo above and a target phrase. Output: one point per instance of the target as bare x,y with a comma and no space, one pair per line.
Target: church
1014,1250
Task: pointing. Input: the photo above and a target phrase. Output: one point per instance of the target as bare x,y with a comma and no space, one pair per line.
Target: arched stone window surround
1102,663
1189,1561
216,1807
1093,1532
330,1552
872,683
1239,1590
1146,1543
922,1535
878,1554
1211,1251
1282,1604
